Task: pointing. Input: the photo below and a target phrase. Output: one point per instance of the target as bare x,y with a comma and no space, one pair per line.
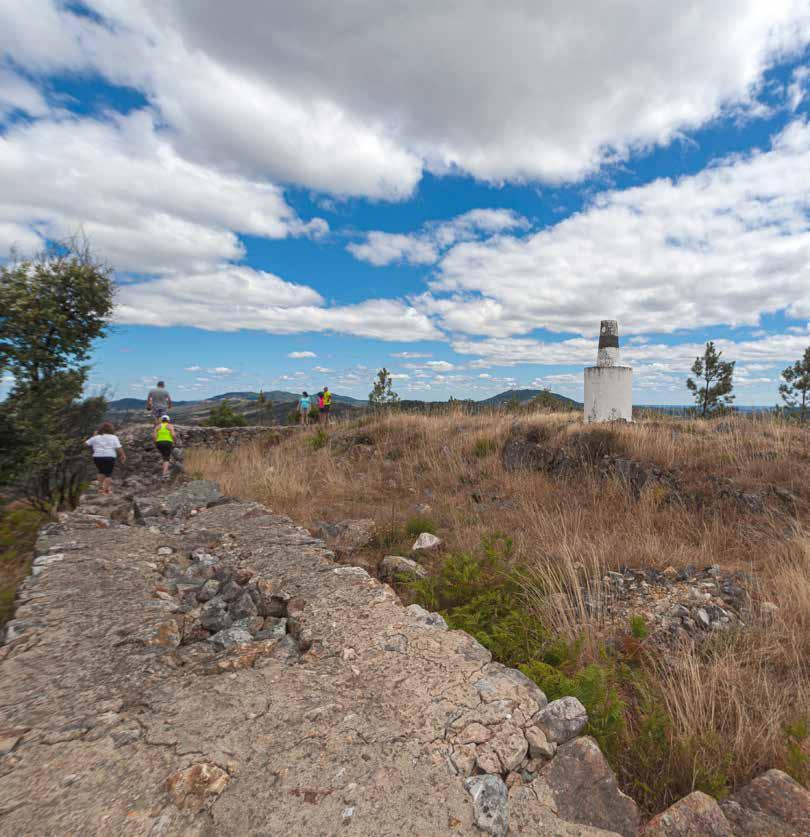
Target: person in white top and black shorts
107,449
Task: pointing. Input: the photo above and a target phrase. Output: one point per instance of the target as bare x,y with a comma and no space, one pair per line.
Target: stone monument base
608,393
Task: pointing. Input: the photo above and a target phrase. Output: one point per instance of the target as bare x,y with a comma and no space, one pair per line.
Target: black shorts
165,449
105,464
325,408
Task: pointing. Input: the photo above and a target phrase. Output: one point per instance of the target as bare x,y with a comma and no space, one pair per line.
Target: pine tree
796,384
712,389
382,394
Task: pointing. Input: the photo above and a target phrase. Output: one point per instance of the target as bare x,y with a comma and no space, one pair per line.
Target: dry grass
731,708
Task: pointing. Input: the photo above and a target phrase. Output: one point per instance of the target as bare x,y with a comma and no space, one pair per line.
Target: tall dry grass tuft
707,716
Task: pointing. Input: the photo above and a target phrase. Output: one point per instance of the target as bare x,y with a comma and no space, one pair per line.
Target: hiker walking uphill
158,402
164,441
107,448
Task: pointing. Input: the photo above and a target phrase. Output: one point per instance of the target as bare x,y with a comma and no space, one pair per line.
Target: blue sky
296,196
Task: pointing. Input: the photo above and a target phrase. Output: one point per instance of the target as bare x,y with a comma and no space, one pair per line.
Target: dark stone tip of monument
608,341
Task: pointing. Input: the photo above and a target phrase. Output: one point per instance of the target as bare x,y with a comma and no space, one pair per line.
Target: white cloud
18,94
222,371
144,207
358,99
724,246
440,365
192,369
410,354
797,89
322,369
381,248
300,355
648,360
234,298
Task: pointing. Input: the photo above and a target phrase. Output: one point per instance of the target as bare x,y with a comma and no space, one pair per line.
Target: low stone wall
143,458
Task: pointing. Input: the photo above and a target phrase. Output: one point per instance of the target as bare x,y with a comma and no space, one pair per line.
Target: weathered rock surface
772,804
425,542
297,697
394,565
584,789
696,815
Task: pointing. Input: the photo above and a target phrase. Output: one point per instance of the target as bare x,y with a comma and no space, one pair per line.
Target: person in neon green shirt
164,441
325,405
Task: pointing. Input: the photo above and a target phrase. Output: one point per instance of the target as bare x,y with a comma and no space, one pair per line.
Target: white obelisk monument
608,385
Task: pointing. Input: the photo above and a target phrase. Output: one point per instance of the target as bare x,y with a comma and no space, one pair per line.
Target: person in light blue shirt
303,407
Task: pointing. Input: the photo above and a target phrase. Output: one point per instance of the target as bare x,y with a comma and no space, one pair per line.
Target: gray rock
772,805
230,591
231,637
424,617
696,814
348,535
490,804
585,791
208,590
214,615
244,607
562,719
393,565
273,629
425,542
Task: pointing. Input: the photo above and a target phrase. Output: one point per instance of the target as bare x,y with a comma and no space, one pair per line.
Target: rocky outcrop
205,667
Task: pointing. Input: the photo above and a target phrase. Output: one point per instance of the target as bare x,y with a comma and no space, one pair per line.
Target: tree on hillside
796,386
382,394
52,308
712,389
223,415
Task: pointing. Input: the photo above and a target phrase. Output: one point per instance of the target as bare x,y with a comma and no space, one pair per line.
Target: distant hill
282,402
524,395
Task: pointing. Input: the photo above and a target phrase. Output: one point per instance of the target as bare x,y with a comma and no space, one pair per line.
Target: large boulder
696,815
584,789
773,805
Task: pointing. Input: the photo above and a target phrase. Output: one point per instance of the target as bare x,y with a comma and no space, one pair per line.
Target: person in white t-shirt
107,449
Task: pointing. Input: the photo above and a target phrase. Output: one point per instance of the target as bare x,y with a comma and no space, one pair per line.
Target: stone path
308,701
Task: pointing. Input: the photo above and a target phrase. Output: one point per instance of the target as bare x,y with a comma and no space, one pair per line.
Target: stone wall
143,458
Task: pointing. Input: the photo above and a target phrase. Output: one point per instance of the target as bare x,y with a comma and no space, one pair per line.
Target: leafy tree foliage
382,394
714,381
796,386
52,308
223,415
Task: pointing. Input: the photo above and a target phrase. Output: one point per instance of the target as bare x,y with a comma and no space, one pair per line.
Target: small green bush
318,439
414,526
484,447
223,415
638,627
797,760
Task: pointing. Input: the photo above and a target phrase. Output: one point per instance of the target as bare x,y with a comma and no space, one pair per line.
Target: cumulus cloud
233,298
381,248
410,354
144,207
724,246
646,359
300,355
511,92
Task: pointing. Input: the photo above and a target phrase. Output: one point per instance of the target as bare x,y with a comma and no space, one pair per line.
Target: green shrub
484,447
318,439
414,526
223,415
797,760
638,627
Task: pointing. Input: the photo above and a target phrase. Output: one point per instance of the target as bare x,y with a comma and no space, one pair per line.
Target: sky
293,195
